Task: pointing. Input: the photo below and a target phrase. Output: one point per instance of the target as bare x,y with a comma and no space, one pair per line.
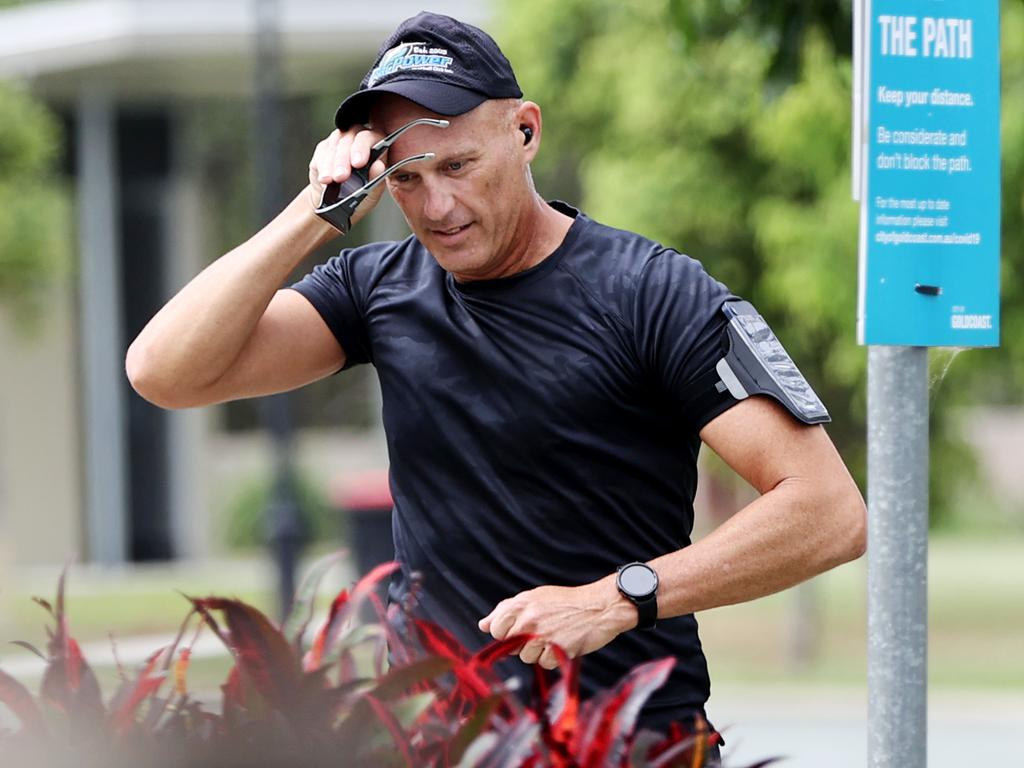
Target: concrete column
186,429
102,345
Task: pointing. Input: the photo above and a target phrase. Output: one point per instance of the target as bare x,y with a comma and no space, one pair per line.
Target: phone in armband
755,363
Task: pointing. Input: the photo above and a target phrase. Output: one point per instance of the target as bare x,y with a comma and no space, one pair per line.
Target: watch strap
647,610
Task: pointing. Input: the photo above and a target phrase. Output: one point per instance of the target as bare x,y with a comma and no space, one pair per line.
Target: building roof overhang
159,49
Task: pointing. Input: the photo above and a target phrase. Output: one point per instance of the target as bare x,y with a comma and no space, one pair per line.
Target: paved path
824,727
132,651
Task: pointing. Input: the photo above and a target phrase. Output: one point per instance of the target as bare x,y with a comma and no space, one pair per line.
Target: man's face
465,205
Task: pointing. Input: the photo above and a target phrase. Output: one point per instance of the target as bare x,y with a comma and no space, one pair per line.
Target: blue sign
929,244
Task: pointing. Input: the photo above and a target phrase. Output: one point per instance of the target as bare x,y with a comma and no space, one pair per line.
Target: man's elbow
148,381
851,514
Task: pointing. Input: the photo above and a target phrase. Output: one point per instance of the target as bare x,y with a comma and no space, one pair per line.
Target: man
547,382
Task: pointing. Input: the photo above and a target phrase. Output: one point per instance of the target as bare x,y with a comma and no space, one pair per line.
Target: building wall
40,482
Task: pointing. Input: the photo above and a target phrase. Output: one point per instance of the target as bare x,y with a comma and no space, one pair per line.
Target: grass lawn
151,603
976,618
975,623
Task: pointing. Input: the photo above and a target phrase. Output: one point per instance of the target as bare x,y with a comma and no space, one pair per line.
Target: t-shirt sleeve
332,288
680,329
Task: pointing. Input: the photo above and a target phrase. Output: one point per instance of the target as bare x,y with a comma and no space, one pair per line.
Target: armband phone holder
339,201
756,364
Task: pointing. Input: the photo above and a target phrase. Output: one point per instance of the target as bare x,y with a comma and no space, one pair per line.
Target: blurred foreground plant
287,704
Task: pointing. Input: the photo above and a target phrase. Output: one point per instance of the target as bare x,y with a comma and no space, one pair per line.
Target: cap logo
410,56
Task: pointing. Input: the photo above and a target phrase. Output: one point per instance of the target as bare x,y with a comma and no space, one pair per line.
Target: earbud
527,133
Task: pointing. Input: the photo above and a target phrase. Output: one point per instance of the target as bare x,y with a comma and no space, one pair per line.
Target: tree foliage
722,129
34,212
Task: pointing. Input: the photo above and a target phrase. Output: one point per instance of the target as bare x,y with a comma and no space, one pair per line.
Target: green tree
34,212
723,129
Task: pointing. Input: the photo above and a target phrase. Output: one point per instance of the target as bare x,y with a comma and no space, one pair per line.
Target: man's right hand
334,159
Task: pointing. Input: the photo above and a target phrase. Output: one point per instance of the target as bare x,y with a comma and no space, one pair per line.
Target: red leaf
514,746
58,638
169,659
347,667
145,687
561,708
380,653
343,607
439,641
613,717
368,583
261,651
233,693
471,687
328,632
401,680
44,603
74,662
29,647
117,658
132,693
379,609
675,746
301,612
20,701
394,728
470,729
498,650
68,682
209,620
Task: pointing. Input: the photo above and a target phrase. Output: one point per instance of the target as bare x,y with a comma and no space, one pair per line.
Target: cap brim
442,98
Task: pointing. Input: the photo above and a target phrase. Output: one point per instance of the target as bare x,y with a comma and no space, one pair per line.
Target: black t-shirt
542,428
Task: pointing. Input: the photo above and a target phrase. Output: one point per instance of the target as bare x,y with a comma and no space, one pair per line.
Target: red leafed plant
286,704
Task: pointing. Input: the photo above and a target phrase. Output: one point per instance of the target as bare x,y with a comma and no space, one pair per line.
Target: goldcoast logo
410,56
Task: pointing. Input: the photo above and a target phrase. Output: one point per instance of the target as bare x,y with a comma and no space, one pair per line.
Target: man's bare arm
809,517
231,332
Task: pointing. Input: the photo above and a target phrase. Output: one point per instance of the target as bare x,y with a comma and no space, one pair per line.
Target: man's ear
529,118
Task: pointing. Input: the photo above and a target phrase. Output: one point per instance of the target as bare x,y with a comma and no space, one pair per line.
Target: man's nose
439,202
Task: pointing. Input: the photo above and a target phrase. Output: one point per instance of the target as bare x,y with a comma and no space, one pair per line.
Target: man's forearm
200,332
795,531
782,538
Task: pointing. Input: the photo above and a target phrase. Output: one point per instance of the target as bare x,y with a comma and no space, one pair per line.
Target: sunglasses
339,201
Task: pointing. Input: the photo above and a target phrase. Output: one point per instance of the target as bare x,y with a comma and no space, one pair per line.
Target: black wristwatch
638,583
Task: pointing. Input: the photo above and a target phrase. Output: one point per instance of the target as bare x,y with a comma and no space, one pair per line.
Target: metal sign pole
927,175
897,556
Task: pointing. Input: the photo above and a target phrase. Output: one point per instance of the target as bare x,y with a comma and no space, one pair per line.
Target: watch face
638,580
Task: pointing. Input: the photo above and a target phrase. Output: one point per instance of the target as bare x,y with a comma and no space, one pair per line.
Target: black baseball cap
440,63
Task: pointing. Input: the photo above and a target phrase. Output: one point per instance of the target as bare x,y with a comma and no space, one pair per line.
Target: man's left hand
578,619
